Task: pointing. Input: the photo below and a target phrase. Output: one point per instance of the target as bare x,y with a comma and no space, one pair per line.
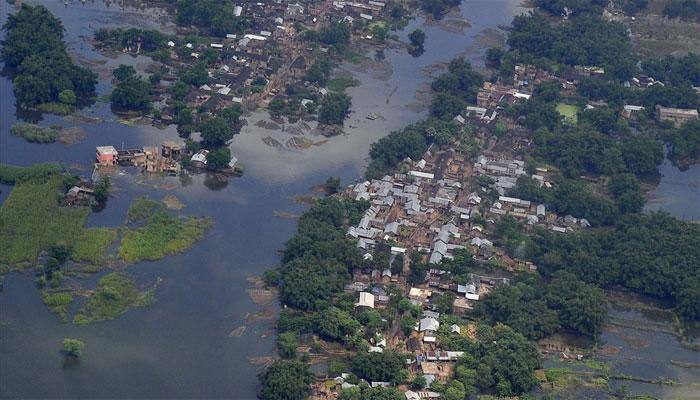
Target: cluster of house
149,159
256,65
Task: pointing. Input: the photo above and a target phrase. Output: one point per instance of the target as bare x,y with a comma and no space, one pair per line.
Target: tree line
42,70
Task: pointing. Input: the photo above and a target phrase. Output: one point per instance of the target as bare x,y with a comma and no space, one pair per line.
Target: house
677,116
171,149
366,300
298,67
429,324
628,110
199,159
106,155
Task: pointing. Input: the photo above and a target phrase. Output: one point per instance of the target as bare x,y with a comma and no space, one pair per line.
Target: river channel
182,346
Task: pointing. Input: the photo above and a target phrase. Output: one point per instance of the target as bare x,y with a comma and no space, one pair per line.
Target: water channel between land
182,346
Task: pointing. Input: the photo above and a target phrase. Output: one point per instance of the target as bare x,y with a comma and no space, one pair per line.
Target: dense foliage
334,108
685,9
387,366
685,141
214,15
34,47
318,259
34,133
584,40
438,7
653,254
115,294
455,89
131,92
286,380
120,38
536,311
501,360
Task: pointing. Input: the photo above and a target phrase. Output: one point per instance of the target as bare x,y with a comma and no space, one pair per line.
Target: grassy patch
354,57
569,112
341,83
32,219
55,108
142,208
11,174
34,133
116,293
58,303
163,235
92,244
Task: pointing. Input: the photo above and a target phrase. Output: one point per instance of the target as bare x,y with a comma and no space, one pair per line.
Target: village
444,206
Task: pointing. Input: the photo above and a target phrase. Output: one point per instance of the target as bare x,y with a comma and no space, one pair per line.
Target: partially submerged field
162,233
115,294
37,230
32,219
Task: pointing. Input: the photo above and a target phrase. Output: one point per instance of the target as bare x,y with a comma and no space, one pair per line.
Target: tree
419,382
334,108
335,323
67,97
132,94
73,347
417,38
627,193
379,367
215,132
123,72
332,185
102,189
218,159
444,303
34,46
287,343
286,380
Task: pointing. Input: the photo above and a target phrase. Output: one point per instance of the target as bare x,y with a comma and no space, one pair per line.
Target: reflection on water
678,192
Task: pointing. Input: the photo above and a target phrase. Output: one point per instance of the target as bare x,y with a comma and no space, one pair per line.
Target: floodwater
181,347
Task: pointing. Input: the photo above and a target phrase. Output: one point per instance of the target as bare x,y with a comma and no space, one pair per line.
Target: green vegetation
73,347
216,132
34,47
336,34
652,254
216,16
685,142
341,83
150,40
685,9
455,89
58,303
569,112
364,392
142,208
334,108
92,243
132,93
536,311
387,366
585,39
318,258
32,219
417,38
501,359
286,380
11,174
162,235
115,294
438,7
